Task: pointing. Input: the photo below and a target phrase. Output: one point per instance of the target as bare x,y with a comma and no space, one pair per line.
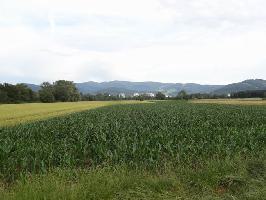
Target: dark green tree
160,96
182,95
88,97
65,91
46,93
24,94
11,92
3,95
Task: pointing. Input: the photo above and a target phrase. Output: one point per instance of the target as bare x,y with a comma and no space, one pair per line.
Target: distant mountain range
142,87
129,88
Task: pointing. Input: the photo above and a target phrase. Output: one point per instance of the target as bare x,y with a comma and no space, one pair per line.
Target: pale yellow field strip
11,114
255,101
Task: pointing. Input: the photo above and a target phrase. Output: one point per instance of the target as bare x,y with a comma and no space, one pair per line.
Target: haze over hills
127,87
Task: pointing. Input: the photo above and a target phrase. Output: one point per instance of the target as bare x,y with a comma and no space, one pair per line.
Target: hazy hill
127,87
34,87
251,84
92,87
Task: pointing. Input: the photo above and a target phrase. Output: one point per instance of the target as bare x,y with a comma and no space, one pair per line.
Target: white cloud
203,41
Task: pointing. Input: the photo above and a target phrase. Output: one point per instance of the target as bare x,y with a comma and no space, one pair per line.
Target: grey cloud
96,71
58,43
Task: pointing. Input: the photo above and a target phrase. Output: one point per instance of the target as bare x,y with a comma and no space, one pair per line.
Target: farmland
254,101
163,150
11,114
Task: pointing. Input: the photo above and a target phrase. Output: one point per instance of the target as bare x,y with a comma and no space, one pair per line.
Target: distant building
136,94
122,95
150,94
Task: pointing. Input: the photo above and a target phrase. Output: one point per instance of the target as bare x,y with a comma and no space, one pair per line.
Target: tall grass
219,180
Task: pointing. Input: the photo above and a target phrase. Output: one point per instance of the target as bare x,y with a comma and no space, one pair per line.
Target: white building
122,95
150,94
136,94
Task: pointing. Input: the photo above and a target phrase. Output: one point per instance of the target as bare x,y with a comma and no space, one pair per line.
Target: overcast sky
203,41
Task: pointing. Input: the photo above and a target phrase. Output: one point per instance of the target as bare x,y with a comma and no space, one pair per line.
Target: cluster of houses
148,94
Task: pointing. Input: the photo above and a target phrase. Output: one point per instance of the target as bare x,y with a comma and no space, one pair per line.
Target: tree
160,96
24,93
11,92
182,95
46,93
3,96
88,97
65,91
140,97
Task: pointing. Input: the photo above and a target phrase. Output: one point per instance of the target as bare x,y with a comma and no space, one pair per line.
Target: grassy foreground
11,114
235,179
164,150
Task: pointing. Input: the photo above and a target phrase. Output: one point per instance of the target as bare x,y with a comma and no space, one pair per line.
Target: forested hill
247,85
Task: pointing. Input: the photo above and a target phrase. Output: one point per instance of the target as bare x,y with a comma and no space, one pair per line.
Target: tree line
59,91
16,93
250,94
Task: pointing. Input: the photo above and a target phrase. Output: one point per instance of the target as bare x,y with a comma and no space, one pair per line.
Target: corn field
136,135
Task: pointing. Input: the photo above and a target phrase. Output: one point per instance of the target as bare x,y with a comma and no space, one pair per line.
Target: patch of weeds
256,169
231,184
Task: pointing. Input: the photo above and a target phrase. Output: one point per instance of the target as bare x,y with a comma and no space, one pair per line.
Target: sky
180,41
